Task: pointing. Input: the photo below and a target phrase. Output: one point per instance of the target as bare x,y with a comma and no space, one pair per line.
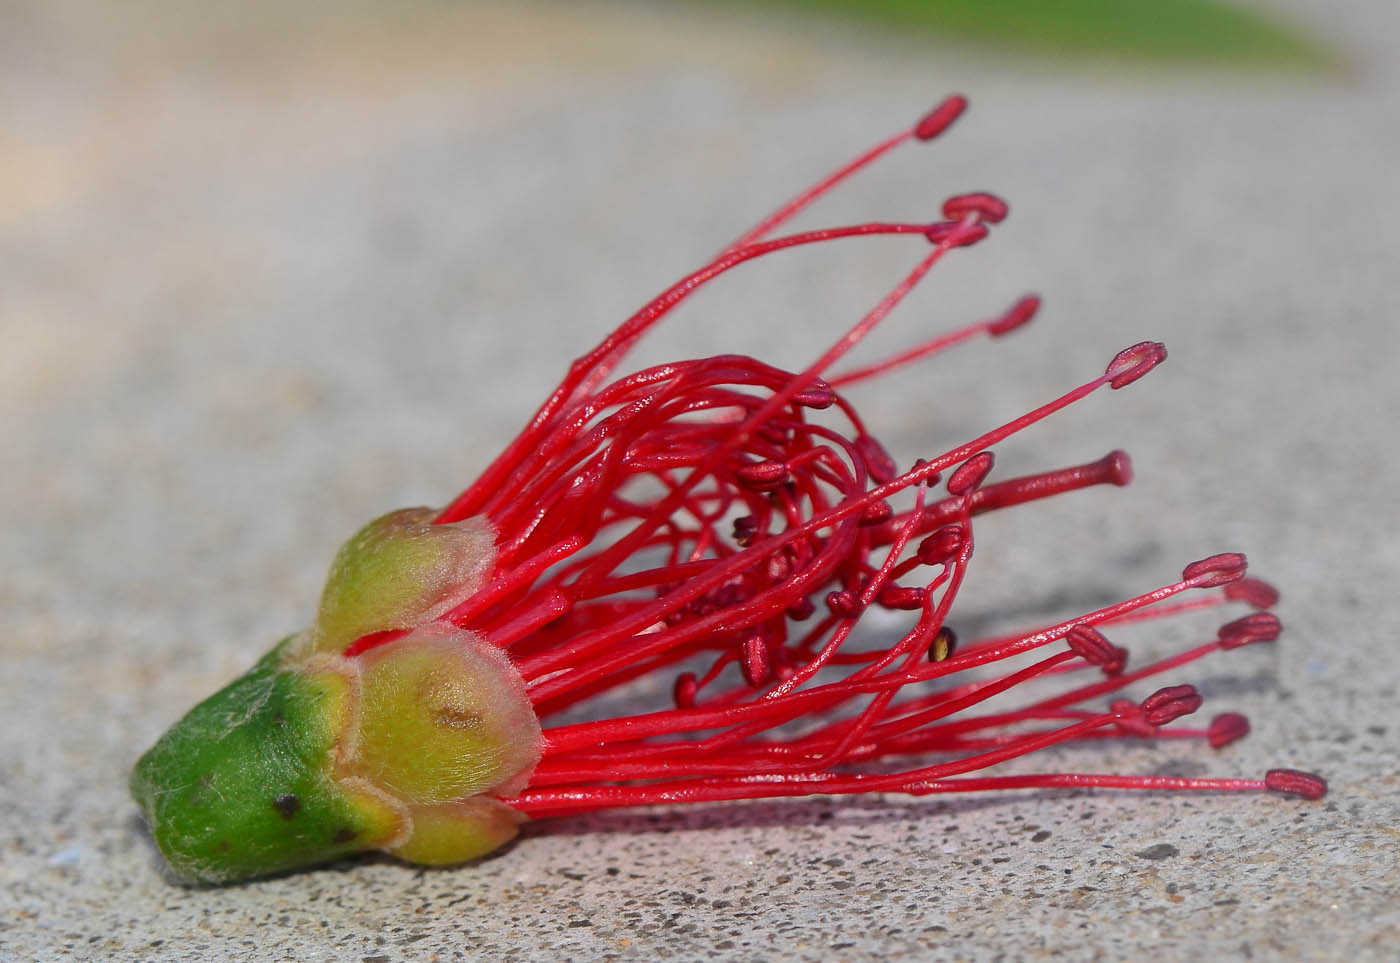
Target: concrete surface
264,277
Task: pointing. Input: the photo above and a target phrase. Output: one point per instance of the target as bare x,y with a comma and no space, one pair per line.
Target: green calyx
405,747
241,786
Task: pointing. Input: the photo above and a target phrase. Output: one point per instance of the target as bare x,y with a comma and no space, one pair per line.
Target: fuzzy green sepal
400,571
242,785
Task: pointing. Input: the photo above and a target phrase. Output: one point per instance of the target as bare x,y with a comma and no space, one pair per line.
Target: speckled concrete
262,279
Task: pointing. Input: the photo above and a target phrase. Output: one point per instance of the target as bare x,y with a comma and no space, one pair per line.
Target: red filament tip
1256,627
942,546
1226,728
939,119
765,476
1217,570
1295,783
877,461
684,690
1093,647
904,597
1169,704
1130,364
956,233
877,513
1017,315
971,473
845,605
980,204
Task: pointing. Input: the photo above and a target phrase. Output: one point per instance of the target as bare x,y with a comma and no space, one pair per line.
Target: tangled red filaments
695,520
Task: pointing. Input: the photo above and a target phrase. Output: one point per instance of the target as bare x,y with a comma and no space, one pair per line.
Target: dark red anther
775,433
945,643
1295,783
1252,591
971,473
929,480
818,395
1226,728
685,689
1093,647
754,661
762,476
1255,627
1118,663
942,546
801,610
939,119
877,461
1130,364
967,234
1018,314
845,604
745,530
1170,703
904,598
985,205
1129,718
876,513
1216,570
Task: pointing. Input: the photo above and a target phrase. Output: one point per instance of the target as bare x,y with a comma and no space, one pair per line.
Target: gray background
264,277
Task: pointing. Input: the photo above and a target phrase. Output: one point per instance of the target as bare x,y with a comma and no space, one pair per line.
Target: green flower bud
406,746
399,571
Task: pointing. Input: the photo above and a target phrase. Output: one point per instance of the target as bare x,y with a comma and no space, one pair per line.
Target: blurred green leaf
1162,30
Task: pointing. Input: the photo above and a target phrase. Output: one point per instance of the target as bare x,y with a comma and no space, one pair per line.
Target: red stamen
1295,783
971,474
990,208
939,119
1257,627
1216,570
1226,728
963,233
1017,315
1090,644
1130,364
1014,317
1169,704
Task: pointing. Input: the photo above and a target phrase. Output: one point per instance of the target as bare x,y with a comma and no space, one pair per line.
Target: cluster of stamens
729,525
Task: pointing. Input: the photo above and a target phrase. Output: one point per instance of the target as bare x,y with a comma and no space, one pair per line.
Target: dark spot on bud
287,804
343,836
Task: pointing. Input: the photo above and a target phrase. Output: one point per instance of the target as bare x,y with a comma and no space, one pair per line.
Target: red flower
698,521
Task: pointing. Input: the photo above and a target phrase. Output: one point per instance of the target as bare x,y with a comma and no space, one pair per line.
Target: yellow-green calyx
405,747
